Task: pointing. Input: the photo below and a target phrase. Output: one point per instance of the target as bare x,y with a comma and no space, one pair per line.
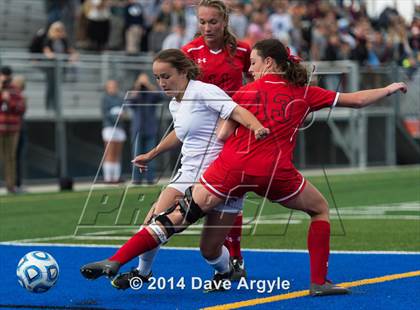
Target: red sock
141,242
233,239
319,250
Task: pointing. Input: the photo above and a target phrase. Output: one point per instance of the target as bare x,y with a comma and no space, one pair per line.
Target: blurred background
62,53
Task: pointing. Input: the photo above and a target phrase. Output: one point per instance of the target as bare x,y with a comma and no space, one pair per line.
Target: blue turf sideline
74,292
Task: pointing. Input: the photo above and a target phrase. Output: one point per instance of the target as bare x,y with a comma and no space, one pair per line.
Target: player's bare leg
312,202
167,198
216,227
174,220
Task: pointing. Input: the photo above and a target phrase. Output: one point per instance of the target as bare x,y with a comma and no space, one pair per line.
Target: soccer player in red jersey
223,61
281,99
221,57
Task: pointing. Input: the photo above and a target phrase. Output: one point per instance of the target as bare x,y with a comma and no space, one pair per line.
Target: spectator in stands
151,9
156,36
360,52
144,124
98,14
55,44
53,9
318,40
191,21
178,12
164,16
177,38
116,40
113,133
134,26
415,35
253,35
237,20
64,11
12,107
332,51
281,21
19,83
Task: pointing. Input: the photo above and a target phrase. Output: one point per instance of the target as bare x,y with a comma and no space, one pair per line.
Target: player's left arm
364,98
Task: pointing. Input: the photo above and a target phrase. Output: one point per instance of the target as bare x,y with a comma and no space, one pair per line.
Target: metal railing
78,88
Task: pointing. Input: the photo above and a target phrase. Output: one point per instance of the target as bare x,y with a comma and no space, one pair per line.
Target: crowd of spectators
315,30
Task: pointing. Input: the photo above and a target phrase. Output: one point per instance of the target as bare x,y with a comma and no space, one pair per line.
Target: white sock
221,264
146,261
107,171
116,172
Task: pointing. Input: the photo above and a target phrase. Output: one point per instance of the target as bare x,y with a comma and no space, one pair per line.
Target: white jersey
195,121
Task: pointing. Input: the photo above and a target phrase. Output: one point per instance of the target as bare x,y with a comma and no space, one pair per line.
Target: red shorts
225,183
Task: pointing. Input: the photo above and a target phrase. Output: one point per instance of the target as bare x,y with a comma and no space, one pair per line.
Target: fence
339,138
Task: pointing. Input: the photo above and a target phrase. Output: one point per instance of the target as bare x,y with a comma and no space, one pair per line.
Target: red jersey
282,108
218,67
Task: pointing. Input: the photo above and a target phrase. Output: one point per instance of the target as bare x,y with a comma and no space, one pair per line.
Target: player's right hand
141,161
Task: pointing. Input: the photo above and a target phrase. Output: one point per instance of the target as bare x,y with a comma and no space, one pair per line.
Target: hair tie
292,58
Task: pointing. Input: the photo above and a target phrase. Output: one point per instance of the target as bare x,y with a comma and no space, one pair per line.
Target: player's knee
209,251
162,226
318,207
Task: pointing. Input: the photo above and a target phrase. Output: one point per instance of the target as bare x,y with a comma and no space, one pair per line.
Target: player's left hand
261,133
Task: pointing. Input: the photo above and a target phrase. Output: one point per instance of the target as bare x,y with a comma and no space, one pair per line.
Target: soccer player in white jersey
223,61
197,108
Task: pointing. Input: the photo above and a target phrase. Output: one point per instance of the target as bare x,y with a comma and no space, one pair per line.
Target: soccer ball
37,271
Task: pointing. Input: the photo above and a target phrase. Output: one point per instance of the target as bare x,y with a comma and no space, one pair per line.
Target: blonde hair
56,30
229,39
19,82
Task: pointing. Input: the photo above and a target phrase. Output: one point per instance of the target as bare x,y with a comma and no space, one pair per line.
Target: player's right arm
168,143
248,120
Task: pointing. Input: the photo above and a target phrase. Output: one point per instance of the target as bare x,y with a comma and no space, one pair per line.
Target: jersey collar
274,78
211,51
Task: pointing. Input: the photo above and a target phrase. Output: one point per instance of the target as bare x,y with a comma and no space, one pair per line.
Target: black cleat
220,280
95,270
328,288
123,280
238,269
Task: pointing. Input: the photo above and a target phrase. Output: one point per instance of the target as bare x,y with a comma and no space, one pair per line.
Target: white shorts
185,178
114,135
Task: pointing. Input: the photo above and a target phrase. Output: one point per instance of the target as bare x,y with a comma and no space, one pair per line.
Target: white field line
197,249
374,212
39,239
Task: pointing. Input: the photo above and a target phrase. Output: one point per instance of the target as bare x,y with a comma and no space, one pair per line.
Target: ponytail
296,73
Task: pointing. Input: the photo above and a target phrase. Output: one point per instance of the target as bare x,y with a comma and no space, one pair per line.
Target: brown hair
293,71
229,39
179,61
